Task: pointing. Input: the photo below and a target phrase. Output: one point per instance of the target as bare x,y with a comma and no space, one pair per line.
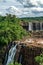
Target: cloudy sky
22,8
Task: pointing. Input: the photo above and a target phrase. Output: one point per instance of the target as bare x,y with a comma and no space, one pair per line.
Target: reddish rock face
29,54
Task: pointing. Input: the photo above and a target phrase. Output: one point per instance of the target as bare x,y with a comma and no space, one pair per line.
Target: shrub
16,63
39,59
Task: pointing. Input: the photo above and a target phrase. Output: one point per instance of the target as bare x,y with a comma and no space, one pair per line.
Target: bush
16,63
39,59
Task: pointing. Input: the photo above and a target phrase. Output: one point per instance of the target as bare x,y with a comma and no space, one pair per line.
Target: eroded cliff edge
28,52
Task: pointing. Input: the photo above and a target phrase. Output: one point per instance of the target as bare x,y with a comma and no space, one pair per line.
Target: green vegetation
39,59
16,63
10,29
32,19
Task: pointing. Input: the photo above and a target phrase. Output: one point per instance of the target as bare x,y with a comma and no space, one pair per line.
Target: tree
11,30
39,59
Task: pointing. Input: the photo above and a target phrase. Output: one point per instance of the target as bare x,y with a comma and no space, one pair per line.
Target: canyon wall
29,53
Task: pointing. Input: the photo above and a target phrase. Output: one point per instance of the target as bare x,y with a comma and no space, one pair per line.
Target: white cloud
22,8
0,13
37,9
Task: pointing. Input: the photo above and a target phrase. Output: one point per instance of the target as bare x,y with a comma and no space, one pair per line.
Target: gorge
23,54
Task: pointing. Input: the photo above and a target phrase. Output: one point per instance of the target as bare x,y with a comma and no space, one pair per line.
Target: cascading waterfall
11,55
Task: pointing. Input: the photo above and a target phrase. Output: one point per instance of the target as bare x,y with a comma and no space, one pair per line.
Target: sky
22,8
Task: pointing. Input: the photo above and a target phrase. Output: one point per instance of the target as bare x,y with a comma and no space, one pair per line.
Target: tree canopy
10,29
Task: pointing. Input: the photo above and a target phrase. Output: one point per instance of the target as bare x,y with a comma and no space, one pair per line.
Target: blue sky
22,8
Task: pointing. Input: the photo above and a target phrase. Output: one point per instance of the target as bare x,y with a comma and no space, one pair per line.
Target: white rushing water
11,54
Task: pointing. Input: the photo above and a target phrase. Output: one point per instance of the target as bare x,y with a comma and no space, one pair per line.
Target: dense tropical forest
10,29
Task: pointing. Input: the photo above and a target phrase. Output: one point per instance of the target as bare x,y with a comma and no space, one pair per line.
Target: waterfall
20,60
11,54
